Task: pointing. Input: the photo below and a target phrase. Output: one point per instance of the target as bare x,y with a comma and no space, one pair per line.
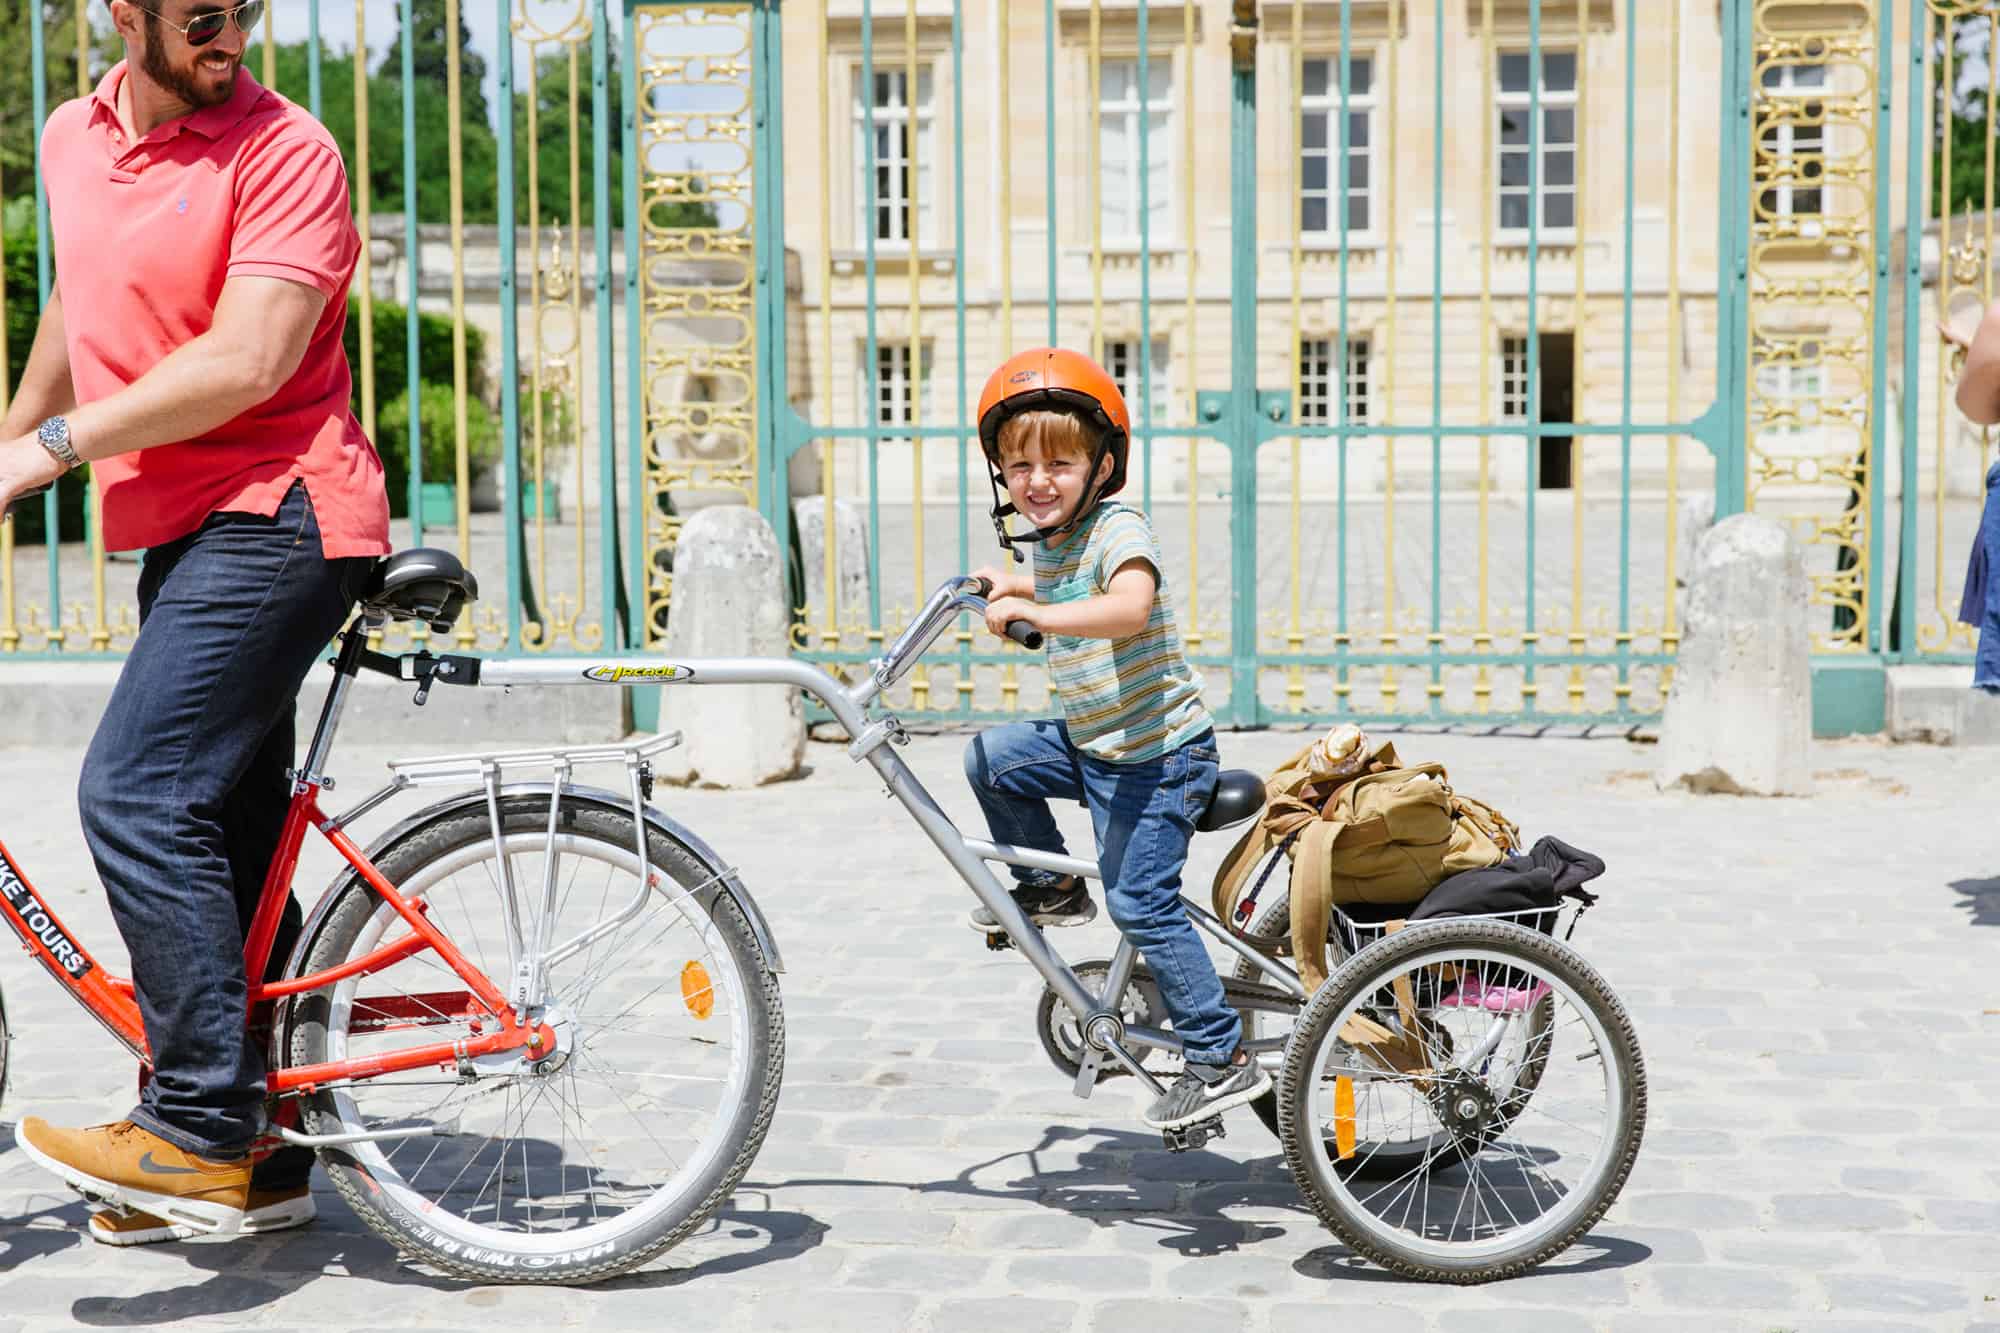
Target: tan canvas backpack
1387,836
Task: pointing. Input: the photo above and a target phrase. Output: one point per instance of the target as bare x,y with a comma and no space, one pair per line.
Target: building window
1320,380
1121,358
902,179
1794,142
1319,145
892,384
1516,398
1789,393
1557,100
1121,121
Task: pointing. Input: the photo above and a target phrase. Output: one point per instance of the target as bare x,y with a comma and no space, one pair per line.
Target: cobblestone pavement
1813,981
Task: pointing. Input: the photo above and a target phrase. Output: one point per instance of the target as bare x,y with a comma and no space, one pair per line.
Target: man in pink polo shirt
191,353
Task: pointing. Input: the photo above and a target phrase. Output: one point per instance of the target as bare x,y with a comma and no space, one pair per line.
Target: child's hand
1003,610
1005,584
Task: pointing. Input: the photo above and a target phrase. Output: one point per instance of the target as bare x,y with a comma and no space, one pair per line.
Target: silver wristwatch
54,435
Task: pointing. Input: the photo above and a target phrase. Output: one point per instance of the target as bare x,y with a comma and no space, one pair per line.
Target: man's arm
261,330
45,388
1979,383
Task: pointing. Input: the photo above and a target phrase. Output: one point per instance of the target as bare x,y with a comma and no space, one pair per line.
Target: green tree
1965,105
17,100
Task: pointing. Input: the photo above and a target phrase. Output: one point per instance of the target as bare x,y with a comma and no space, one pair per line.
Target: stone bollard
850,555
1697,516
729,601
1739,716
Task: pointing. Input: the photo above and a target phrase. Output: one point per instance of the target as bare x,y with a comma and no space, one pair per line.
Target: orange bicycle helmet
1054,378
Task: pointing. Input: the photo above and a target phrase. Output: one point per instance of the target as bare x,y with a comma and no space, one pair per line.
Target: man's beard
180,82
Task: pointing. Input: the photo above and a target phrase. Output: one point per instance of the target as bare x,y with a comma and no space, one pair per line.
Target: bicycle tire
1363,982
6,1037
320,1026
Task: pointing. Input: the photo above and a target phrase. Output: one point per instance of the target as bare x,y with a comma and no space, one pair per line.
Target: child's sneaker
1063,903
1205,1091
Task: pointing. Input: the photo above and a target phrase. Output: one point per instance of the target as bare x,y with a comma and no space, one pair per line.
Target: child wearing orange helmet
1134,742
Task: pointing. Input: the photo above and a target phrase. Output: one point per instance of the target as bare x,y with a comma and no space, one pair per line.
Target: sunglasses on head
205,28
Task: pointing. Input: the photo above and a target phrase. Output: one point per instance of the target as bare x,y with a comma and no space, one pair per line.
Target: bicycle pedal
997,940
1193,1136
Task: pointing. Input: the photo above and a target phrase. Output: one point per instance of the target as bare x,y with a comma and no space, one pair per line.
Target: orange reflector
696,991
1343,1117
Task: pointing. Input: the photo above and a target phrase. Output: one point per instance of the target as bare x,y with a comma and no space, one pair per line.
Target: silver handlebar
956,594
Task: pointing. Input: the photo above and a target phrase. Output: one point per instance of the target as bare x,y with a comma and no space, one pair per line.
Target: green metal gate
1361,484
1445,323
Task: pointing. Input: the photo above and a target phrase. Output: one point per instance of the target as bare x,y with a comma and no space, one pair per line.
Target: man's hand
1003,610
25,466
1005,583
1978,394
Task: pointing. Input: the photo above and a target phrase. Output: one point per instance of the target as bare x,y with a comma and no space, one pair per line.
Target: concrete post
850,556
1739,715
729,601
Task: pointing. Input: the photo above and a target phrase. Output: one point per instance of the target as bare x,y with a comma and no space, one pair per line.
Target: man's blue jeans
1980,606
184,792
1144,816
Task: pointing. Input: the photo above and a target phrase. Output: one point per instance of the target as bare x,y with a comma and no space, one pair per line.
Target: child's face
1046,484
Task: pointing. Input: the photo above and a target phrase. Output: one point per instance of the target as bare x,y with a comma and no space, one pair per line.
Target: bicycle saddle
1239,795
423,584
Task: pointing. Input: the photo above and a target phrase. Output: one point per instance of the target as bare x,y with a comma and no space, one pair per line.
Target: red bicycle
534,1031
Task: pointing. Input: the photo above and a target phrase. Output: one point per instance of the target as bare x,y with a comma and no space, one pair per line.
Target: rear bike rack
529,955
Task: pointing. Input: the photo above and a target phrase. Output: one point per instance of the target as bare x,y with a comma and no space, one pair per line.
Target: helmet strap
1004,509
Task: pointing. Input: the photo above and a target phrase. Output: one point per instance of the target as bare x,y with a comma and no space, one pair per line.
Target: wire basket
1349,934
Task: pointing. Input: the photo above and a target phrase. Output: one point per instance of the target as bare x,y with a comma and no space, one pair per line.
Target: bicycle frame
112,1002
874,735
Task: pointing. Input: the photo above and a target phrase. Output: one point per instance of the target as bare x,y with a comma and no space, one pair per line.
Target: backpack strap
1312,899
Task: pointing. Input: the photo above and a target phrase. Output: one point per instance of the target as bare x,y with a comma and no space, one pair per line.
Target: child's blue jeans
1144,815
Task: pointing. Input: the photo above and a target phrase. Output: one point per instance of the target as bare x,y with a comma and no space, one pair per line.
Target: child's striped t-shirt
1124,700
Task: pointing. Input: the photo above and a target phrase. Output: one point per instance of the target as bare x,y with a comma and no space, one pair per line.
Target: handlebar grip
1020,631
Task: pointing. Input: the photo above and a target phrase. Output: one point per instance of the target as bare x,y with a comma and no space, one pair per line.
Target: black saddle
424,584
1239,795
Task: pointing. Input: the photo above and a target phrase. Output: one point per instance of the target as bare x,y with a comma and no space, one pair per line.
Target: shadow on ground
1981,897
1119,1178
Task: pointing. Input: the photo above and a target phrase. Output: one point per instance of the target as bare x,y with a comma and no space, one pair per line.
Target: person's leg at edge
234,615
1015,770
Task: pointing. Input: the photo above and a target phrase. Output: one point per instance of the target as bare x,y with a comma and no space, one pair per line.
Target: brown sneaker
264,1210
126,1165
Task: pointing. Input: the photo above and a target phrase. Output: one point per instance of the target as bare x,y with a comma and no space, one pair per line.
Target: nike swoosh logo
147,1163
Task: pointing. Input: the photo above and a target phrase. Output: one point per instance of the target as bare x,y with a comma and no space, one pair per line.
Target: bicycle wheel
4,1038
1426,1047
1391,1156
569,1166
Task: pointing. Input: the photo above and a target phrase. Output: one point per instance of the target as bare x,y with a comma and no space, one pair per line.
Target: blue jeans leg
1015,770
1144,814
182,791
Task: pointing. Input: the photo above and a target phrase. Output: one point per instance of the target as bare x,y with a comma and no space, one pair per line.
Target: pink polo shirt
145,235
